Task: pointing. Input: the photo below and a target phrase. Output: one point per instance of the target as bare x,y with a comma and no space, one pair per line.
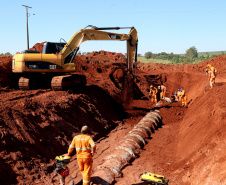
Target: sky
170,26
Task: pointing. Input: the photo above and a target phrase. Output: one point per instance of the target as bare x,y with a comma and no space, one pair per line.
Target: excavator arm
96,33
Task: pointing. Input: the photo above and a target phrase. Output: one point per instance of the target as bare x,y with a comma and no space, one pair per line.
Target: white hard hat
85,129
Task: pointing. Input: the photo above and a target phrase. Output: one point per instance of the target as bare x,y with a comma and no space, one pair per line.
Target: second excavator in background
55,64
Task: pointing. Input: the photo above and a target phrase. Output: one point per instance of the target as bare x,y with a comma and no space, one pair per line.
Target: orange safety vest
214,70
211,74
153,91
183,94
82,143
179,93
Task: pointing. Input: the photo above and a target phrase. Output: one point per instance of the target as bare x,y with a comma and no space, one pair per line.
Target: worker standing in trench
184,98
162,89
153,93
179,94
85,148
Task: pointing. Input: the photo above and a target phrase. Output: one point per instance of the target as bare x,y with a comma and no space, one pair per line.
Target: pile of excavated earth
188,148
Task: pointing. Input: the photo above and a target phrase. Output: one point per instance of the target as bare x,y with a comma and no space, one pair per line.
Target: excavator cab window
52,47
55,47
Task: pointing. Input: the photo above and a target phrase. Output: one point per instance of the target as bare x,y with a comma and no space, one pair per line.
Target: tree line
191,56
6,54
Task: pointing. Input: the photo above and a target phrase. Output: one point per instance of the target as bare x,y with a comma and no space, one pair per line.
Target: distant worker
184,98
162,89
179,94
210,67
214,71
85,149
153,93
211,72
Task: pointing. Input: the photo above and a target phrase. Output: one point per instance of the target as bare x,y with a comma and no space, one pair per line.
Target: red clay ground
189,149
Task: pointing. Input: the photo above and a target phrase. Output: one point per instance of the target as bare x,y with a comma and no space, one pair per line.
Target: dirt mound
106,70
6,80
37,125
38,46
202,137
96,66
102,57
32,121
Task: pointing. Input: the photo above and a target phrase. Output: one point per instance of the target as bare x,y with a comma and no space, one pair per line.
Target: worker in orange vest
153,93
85,149
210,67
211,78
179,94
211,72
184,98
162,89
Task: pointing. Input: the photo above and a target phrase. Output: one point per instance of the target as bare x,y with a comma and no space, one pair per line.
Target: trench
126,150
49,122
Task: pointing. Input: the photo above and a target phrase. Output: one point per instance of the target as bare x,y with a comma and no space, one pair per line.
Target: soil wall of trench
36,129
37,125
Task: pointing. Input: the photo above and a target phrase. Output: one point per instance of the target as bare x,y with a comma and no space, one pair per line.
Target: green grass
144,60
210,53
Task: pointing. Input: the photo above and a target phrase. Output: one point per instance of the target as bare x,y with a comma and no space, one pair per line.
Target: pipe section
127,149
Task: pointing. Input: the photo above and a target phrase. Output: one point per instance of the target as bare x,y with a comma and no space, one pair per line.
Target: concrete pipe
145,129
146,124
114,168
135,139
139,132
103,176
126,150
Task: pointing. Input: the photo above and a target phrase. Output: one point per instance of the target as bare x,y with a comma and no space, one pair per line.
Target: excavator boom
95,33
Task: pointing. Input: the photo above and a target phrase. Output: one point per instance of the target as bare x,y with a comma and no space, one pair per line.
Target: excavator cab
53,47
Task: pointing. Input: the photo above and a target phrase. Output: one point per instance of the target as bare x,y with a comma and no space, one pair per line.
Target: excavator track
61,82
34,82
67,81
24,83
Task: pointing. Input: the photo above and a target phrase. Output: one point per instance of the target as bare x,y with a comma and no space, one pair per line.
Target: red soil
37,125
38,46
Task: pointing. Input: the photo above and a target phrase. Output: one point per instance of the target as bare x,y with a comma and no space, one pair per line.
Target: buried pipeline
127,149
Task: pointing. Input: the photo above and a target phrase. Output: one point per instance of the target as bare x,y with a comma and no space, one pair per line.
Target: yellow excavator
55,63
